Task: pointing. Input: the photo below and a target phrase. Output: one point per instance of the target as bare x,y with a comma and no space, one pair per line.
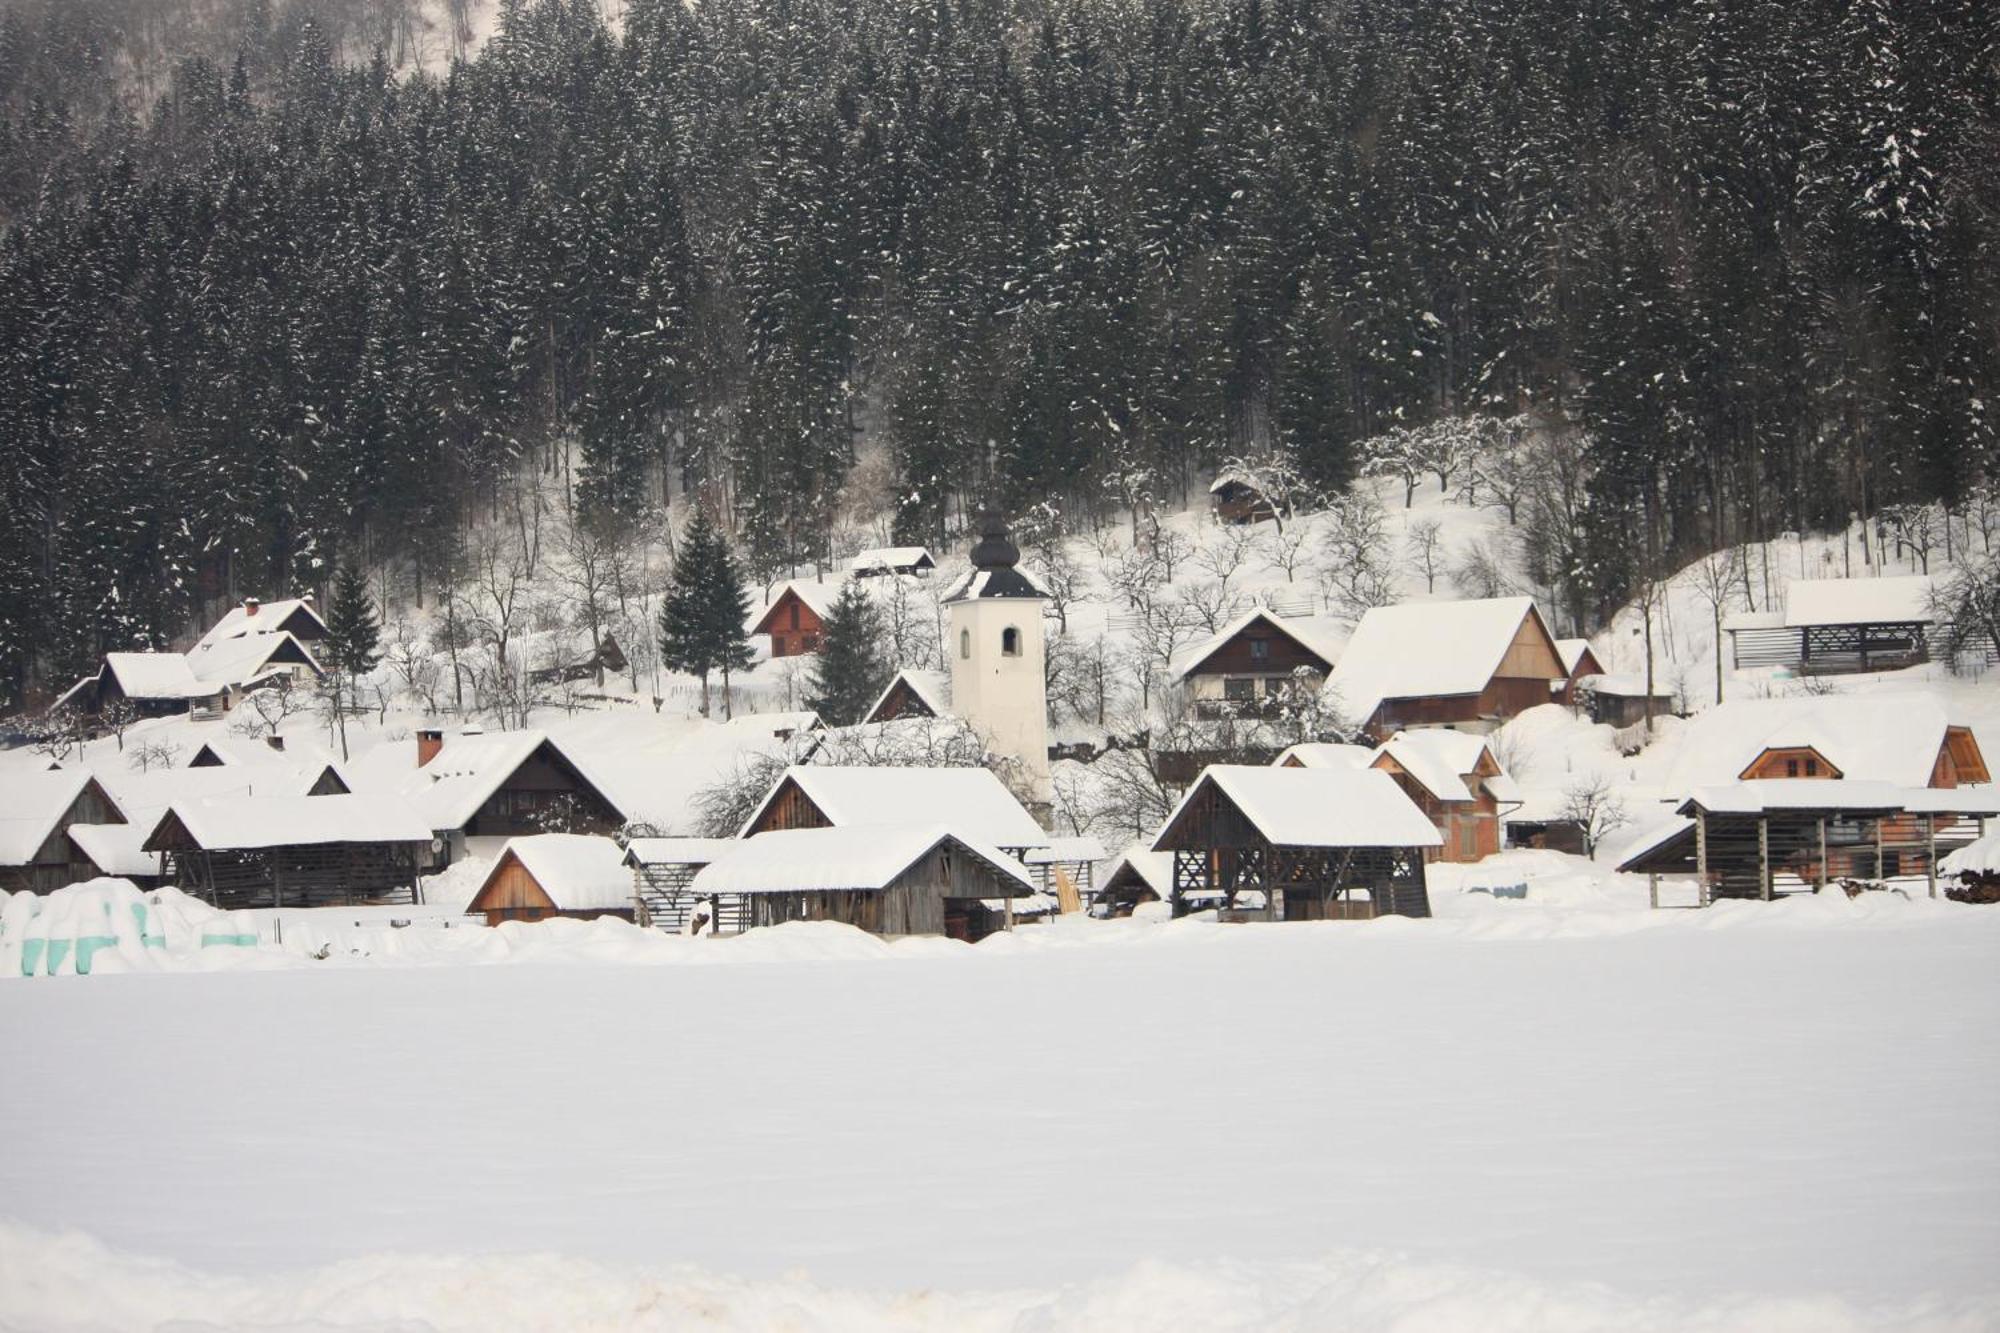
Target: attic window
1260,650
1812,768
1010,642
1791,768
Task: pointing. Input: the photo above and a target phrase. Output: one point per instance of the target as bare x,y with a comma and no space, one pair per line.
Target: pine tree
702,619
353,643
851,671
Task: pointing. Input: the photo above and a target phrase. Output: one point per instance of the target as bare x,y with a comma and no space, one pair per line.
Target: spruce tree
353,643
702,619
851,671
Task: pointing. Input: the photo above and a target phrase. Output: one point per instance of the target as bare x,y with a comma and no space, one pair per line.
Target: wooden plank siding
795,628
939,894
512,893
58,862
790,808
900,701
544,786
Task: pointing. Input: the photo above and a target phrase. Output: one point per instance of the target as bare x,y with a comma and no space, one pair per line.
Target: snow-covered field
1558,1114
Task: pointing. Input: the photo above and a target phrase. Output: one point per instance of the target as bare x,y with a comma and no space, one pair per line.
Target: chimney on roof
429,741
275,742
250,605
306,597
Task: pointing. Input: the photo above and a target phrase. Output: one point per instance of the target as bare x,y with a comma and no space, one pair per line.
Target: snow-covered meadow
1551,1114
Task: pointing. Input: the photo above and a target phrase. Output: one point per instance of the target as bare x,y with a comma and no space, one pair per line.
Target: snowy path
1685,1111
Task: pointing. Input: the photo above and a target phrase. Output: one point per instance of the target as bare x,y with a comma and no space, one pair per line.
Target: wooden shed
1461,664
292,851
556,875
1235,499
1315,844
970,802
38,807
796,617
885,560
885,879
1578,660
1770,837
1139,875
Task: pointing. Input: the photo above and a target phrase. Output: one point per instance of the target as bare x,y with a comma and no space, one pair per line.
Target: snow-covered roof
247,823
157,676
580,873
1307,632
818,597
448,791
1317,807
144,797
1065,851
1891,737
858,856
31,801
678,851
1571,652
971,802
1622,685
237,621
1437,757
116,849
1635,844
300,753
1155,869
1781,794
1228,477
1978,857
1012,581
1754,620
243,658
932,689
891,557
1424,649
1326,754
1900,599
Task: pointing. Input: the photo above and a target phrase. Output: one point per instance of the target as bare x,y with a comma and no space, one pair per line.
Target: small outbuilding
1235,498
912,693
292,851
1620,700
556,875
1139,875
1578,660
796,617
1315,844
38,810
886,879
892,560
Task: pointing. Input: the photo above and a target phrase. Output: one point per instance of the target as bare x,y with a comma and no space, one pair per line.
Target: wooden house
1469,665
297,616
502,785
556,875
796,617
912,693
971,802
38,808
896,879
663,871
1906,740
1235,499
1578,660
153,684
292,851
1315,844
1770,837
1454,778
235,666
1253,661
892,560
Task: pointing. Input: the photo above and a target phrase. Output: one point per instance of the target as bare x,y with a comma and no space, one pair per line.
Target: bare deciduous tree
1423,546
153,754
1591,803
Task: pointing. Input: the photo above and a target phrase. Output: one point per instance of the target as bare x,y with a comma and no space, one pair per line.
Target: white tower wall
1003,694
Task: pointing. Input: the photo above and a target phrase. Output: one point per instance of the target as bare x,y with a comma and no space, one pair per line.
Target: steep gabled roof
1437,757
1880,737
579,873
1421,650
971,802
237,622
817,597
251,823
1573,651
1153,869
1324,754
116,849
857,857
893,557
1310,636
1313,807
32,803
930,688
450,789
244,658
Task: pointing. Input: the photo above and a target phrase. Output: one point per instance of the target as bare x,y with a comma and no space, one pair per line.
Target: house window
1241,689
793,612
1260,650
1791,768
965,643
1812,768
1010,642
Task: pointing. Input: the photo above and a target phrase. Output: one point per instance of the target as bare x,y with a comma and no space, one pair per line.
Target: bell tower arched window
1010,642
965,644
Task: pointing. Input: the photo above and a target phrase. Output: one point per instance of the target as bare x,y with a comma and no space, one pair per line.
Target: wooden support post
1822,851
1764,856
1930,852
1701,856
1878,851
1653,888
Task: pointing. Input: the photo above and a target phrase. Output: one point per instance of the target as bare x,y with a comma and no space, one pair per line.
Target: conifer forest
291,301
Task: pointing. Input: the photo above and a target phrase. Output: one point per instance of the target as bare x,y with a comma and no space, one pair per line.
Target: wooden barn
896,879
971,802
38,808
887,560
1470,665
1578,660
912,693
1249,664
663,871
293,851
1767,838
1314,844
504,784
796,617
1620,700
1454,778
1235,499
556,875
297,616
607,659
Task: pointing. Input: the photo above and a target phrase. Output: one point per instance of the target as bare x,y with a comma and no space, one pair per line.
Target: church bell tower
997,665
